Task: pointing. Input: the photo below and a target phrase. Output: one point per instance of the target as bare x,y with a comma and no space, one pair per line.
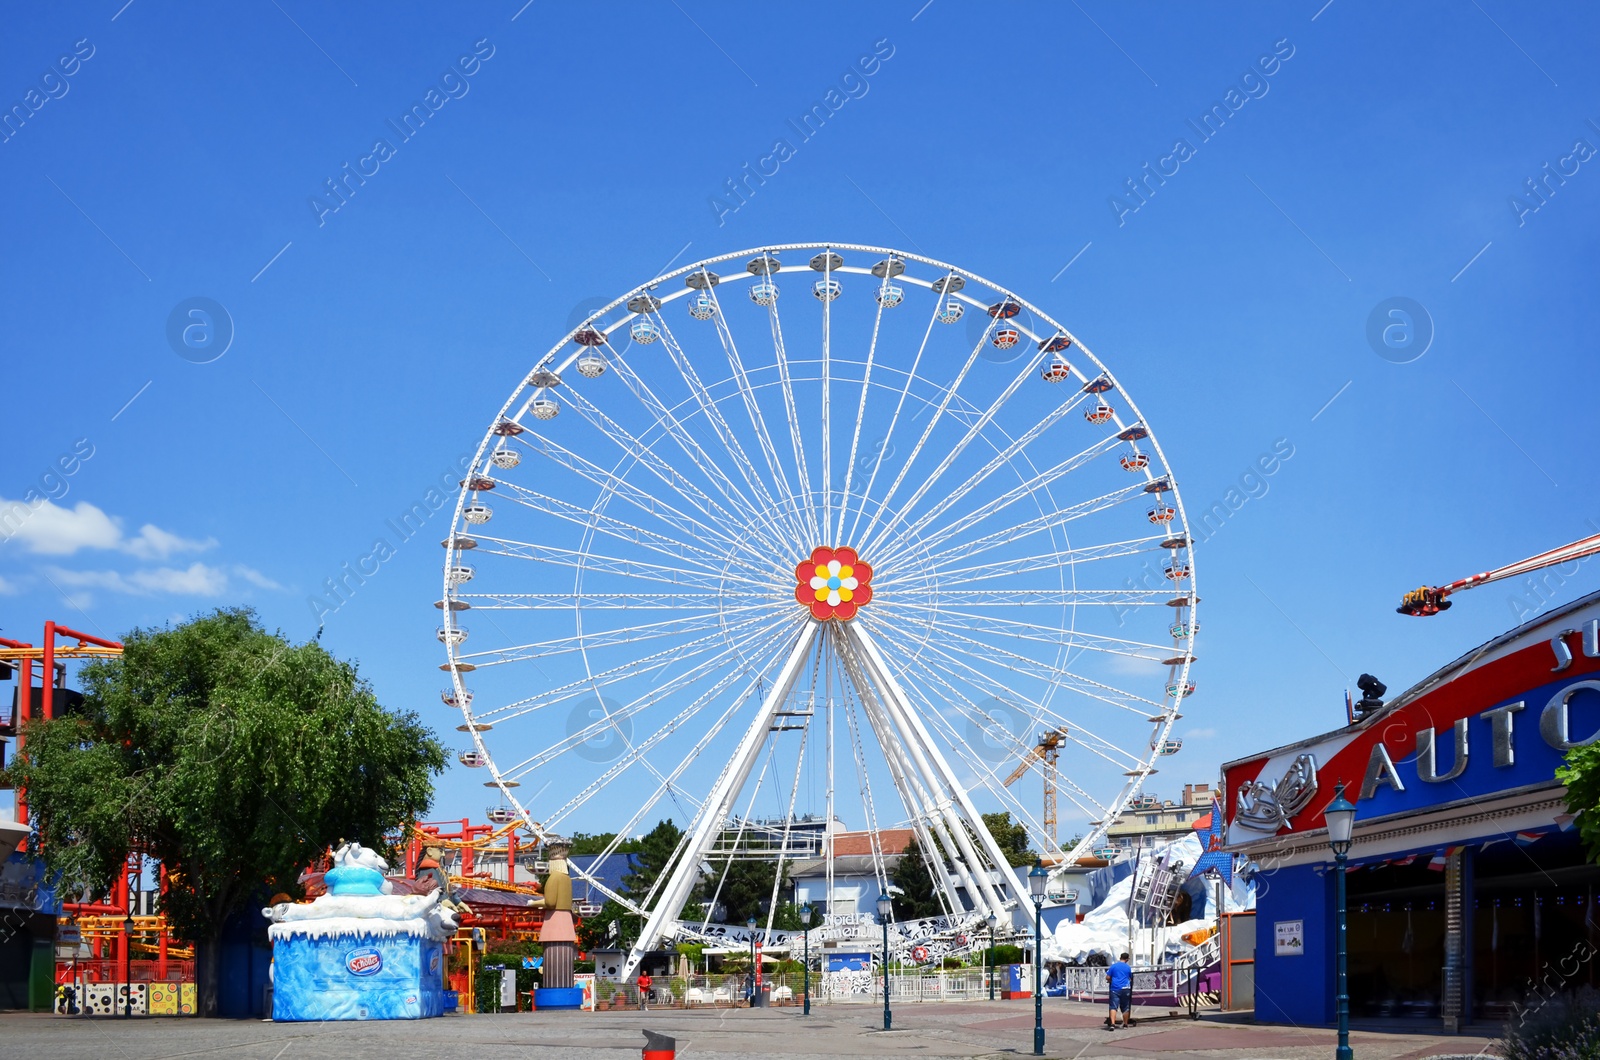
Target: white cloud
52,530
195,580
1200,734
256,578
7,588
156,543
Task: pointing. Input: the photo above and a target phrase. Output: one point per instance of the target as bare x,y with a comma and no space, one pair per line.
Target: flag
1527,839
1213,857
1437,862
1564,821
1487,843
1408,859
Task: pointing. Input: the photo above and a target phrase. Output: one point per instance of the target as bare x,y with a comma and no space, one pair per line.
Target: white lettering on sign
1591,645
1380,772
1554,719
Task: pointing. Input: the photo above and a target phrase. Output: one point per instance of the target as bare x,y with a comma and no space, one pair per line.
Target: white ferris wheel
852,541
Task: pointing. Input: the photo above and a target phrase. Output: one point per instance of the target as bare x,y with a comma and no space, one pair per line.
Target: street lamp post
127,962
1037,879
885,903
1340,815
751,924
993,920
805,961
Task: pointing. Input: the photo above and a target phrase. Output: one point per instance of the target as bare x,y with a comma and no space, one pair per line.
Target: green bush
1562,1027
1004,954
486,986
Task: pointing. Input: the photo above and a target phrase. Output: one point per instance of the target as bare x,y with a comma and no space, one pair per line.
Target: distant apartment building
1150,821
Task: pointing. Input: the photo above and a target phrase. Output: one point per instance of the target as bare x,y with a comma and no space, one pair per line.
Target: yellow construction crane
1048,751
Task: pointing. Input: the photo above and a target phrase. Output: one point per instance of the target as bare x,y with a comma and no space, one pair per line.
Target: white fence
848,987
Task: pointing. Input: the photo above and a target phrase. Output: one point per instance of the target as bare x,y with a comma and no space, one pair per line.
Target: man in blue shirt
1120,978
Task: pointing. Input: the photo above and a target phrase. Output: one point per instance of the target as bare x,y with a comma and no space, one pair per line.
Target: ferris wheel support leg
943,818
913,727
714,811
923,807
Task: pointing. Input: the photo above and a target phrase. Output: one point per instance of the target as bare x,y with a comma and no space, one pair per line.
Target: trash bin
763,998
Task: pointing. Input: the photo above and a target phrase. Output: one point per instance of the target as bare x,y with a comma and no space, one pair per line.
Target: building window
1182,817
1152,818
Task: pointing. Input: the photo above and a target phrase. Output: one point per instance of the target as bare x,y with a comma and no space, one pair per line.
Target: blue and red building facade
1469,889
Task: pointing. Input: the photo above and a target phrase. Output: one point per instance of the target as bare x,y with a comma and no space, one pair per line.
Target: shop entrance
1396,940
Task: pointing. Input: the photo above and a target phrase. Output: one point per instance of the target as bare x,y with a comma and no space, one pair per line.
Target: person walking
1119,978
644,991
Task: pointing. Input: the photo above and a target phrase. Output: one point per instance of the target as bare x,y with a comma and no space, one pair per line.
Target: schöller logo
363,962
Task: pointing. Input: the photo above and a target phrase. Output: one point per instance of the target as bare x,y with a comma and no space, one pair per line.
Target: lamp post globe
1038,879
993,920
805,961
1340,815
885,906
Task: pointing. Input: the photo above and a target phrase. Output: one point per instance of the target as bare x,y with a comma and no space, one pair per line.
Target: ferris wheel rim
1168,716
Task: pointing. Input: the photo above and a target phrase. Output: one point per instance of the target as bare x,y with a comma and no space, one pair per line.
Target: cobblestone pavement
978,1030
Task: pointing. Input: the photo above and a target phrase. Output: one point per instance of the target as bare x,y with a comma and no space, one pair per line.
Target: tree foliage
1012,838
233,756
1581,775
653,857
914,897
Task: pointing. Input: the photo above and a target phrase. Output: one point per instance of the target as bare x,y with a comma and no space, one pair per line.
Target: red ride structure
1431,600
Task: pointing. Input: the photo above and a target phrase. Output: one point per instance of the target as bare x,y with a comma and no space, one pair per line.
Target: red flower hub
833,583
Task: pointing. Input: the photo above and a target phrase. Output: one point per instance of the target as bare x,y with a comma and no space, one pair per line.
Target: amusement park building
1468,887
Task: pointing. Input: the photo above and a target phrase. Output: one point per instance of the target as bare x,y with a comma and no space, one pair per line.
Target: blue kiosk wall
1297,989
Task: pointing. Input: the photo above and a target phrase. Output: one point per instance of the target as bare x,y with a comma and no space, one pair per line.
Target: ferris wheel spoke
1022,491
747,394
974,428
1035,564
956,651
1025,528
612,527
894,419
682,718
1055,636
1015,447
614,484
669,423
949,394
861,415
594,682
792,416
635,601
610,638
665,688
632,568
957,670
647,456
724,431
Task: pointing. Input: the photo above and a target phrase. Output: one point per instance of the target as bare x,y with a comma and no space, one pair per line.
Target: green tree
584,844
1581,775
746,889
1012,838
654,855
234,757
595,931
913,878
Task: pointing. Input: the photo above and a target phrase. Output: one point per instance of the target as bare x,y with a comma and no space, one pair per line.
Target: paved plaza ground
978,1029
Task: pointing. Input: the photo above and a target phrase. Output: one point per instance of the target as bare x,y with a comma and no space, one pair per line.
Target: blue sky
1374,153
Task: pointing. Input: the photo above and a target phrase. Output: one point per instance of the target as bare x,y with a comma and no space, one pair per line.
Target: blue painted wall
1295,989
